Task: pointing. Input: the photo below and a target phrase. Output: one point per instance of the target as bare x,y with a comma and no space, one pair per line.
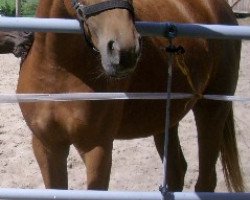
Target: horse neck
58,45
55,8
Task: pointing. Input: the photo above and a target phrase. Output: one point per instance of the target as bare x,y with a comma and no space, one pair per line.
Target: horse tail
230,157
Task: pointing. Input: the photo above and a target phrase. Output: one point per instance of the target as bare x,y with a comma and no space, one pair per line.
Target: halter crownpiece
84,12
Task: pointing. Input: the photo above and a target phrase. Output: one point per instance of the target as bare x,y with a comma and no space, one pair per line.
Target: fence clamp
166,195
171,30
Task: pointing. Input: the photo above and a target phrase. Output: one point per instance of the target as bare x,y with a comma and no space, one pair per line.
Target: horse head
109,28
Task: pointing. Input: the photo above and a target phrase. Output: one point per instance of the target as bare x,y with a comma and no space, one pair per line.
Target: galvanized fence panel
163,29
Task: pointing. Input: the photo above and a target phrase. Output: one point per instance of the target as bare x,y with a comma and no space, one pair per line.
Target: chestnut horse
64,63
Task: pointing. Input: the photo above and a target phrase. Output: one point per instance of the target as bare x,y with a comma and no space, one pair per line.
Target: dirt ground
136,165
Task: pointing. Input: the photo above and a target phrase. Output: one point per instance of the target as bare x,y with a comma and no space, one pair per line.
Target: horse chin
118,72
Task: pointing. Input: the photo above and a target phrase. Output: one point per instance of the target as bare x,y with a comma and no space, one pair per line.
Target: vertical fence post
18,8
164,188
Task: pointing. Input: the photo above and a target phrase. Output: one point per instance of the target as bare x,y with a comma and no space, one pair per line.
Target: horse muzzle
121,62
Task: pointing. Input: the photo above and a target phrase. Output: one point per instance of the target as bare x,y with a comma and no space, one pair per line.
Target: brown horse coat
64,63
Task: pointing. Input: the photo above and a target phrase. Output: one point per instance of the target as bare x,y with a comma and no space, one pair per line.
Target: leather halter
84,12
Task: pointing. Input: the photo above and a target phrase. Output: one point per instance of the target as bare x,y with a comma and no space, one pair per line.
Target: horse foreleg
98,161
177,165
52,160
210,119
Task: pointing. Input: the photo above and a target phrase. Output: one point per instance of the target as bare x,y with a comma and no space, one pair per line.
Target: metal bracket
171,31
166,195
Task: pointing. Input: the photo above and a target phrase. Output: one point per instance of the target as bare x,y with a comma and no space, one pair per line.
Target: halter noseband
84,12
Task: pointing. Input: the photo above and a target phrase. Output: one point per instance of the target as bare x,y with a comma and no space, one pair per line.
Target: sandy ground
136,165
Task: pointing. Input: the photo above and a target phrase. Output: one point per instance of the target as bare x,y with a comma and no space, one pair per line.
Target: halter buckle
80,12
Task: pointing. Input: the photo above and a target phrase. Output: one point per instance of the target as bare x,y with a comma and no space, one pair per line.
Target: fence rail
40,194
98,96
145,28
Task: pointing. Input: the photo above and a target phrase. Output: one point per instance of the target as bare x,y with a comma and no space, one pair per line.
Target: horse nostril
111,46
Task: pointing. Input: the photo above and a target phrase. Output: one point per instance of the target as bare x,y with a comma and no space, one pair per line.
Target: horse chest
71,121
59,121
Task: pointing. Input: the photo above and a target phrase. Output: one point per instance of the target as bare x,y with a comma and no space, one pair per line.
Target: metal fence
145,29
35,194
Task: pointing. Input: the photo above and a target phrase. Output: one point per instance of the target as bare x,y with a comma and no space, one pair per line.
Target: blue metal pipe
39,24
162,29
40,194
193,30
